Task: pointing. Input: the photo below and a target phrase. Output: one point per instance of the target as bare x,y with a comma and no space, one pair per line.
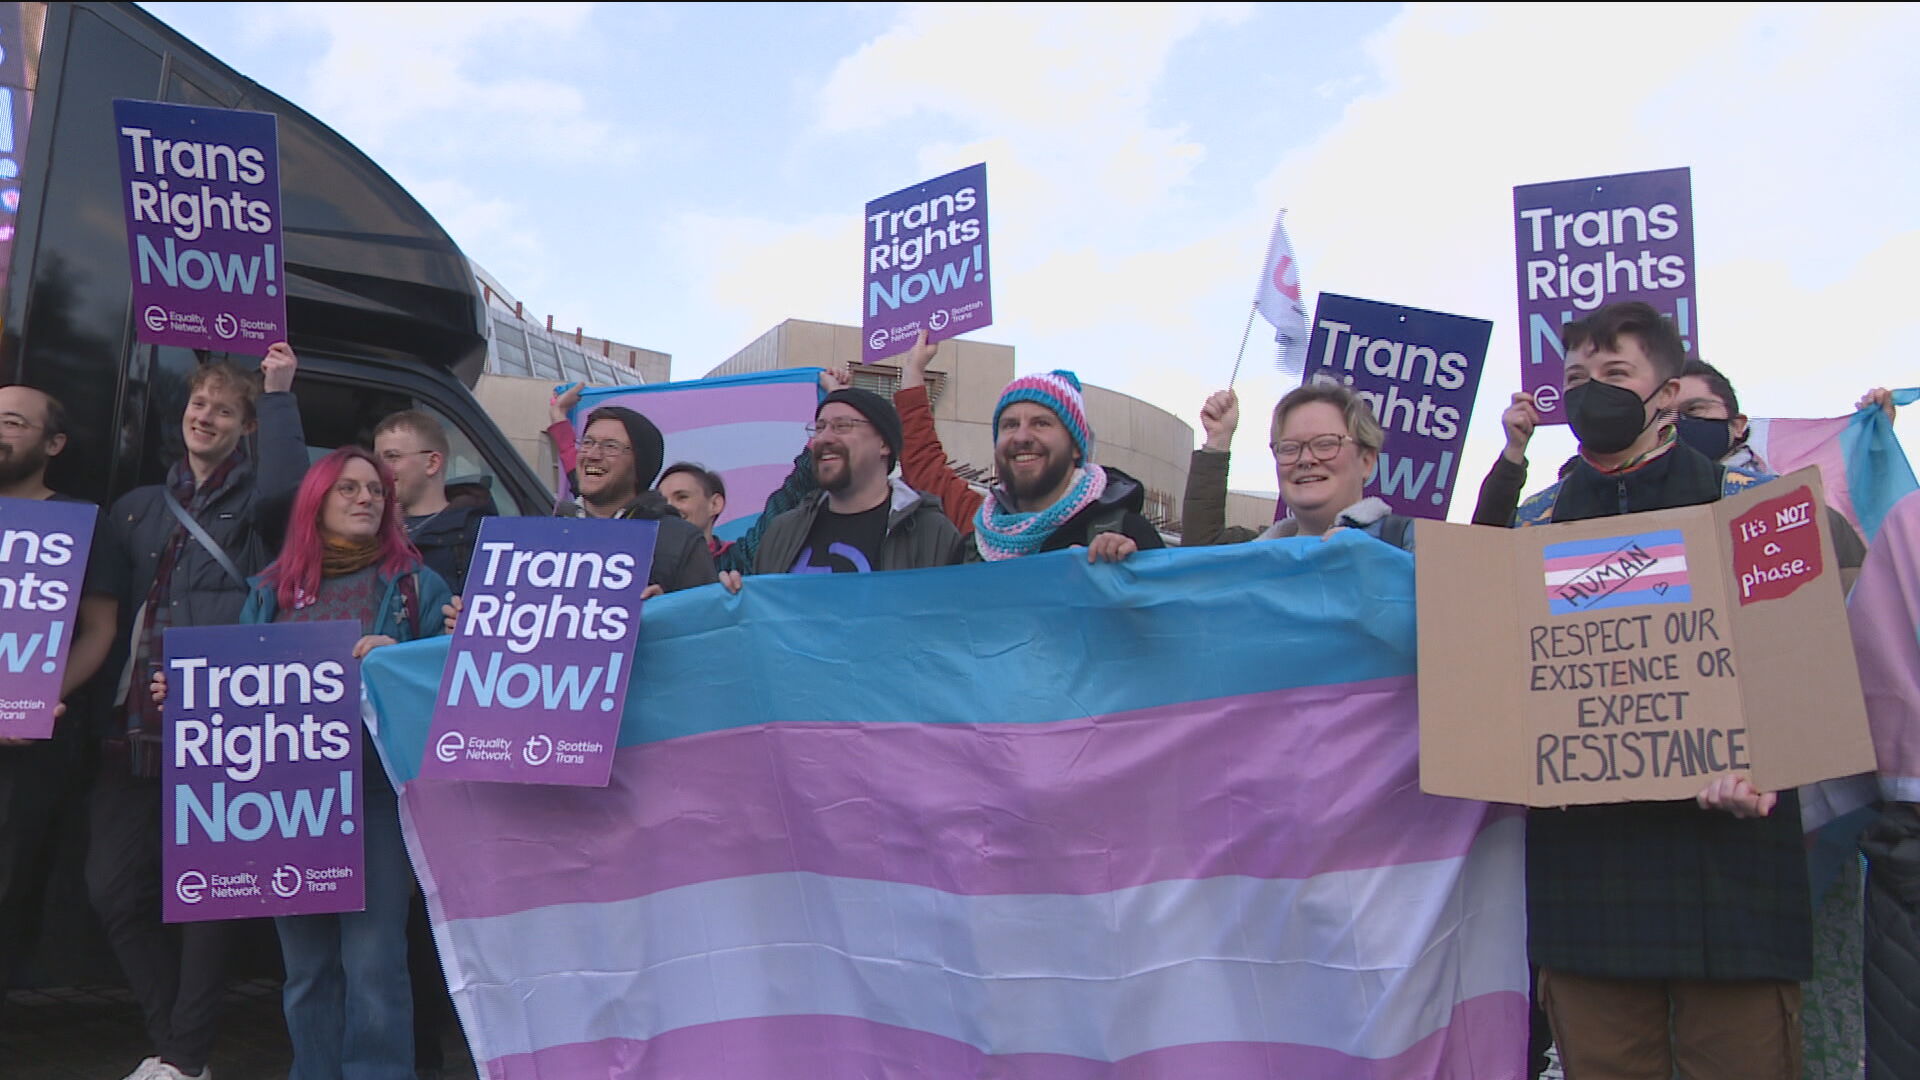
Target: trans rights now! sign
542,652
926,263
1420,371
202,195
43,559
261,793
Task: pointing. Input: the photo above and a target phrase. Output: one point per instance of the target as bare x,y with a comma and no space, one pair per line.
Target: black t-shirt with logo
843,543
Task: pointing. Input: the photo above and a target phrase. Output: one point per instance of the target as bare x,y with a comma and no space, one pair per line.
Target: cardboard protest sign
202,191
1420,371
261,786
926,263
43,564
1583,244
1638,657
542,653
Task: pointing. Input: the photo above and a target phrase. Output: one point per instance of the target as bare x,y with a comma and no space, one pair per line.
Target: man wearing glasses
620,455
861,519
415,447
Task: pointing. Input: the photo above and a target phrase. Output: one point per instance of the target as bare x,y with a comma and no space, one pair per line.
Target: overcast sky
685,178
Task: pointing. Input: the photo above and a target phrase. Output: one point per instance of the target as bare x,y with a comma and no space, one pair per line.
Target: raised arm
923,461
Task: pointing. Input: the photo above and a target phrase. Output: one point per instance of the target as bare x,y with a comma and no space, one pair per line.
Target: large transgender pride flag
747,428
1026,820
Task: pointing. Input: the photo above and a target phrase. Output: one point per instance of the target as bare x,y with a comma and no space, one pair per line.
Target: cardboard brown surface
1638,657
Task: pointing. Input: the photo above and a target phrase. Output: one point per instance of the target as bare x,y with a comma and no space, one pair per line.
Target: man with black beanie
861,519
620,455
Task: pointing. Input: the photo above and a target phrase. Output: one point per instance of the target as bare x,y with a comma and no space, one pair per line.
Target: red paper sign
1776,546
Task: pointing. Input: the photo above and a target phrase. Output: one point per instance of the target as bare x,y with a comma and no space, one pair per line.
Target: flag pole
1244,335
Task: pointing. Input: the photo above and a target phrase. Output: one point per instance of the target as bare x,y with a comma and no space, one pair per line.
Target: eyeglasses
839,425
351,489
392,457
14,423
602,446
1324,447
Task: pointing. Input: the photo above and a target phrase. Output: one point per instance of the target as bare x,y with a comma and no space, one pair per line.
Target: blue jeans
348,1000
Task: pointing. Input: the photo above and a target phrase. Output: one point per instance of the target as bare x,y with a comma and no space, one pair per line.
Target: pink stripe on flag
1077,806
1483,1040
748,488
1796,444
707,406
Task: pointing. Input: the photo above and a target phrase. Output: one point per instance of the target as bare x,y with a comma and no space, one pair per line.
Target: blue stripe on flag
1878,472
1607,545
813,648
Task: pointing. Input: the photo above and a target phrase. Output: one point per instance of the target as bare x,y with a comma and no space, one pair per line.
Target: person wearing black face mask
1668,934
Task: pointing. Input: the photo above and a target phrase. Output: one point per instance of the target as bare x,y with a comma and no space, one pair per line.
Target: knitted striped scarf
1009,534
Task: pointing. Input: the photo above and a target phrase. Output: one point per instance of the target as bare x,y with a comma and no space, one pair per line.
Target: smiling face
355,504
216,418
847,451
416,467
1308,484
1034,453
606,463
684,492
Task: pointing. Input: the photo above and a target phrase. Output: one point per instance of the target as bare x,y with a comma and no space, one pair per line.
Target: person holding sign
35,773
1668,934
348,998
1325,442
187,547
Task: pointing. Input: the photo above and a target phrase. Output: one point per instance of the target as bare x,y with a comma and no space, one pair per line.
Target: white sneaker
145,1070
164,1071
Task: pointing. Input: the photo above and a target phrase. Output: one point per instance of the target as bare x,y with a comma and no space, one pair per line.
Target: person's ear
436,462
1737,427
56,444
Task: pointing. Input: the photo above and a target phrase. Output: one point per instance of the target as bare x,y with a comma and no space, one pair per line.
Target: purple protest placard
926,263
1581,244
261,791
43,564
1420,371
202,191
539,661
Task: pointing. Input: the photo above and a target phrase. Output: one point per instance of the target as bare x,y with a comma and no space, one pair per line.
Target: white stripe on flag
1672,565
1366,962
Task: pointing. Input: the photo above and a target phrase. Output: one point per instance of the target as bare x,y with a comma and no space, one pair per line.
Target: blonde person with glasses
1325,442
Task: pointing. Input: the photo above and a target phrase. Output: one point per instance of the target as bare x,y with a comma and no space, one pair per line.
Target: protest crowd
1666,938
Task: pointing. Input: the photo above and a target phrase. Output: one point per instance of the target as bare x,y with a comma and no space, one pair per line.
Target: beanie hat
1059,391
878,411
649,449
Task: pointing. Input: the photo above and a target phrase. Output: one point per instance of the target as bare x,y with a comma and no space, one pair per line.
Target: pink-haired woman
348,1003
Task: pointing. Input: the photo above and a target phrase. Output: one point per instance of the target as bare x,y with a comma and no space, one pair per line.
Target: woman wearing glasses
347,997
1325,442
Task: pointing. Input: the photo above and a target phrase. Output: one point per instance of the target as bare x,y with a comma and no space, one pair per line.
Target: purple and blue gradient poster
538,666
202,191
43,564
261,782
926,263
1582,244
1420,371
